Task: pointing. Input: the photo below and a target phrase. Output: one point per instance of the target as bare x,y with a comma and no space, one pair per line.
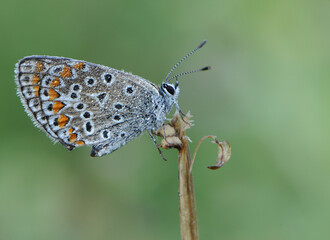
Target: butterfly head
170,92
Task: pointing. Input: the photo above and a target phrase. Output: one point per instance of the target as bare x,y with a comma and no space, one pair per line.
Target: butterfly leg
182,115
155,142
164,131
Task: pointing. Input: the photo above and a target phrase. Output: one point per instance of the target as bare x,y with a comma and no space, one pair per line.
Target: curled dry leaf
224,152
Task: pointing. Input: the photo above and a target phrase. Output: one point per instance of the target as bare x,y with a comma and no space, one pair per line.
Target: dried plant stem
187,203
174,136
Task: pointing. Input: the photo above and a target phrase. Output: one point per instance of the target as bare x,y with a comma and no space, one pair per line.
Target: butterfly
80,103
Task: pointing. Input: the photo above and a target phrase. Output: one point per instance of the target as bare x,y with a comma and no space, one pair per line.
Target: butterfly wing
79,103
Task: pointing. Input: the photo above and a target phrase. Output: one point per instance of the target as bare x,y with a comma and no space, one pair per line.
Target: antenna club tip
202,44
206,68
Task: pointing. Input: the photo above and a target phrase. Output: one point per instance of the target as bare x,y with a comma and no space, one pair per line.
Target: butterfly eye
169,88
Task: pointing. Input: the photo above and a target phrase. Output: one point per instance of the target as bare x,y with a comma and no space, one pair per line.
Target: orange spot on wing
70,130
35,79
57,106
66,72
52,94
39,67
36,90
55,82
62,120
80,143
79,66
73,137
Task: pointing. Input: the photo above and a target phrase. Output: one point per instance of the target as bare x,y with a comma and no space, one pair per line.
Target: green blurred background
267,94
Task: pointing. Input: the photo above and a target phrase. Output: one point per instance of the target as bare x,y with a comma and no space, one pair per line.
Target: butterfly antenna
193,71
178,63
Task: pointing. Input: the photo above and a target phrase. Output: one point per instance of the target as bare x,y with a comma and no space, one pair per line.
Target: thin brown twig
174,136
187,202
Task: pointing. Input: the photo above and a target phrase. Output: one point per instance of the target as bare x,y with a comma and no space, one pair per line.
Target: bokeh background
267,94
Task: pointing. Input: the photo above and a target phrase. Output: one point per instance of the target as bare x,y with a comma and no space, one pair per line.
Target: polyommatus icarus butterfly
80,103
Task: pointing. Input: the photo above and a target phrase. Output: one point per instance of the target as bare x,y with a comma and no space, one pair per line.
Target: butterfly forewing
79,103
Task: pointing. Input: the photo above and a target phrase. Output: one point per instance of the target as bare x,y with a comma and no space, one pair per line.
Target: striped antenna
178,63
193,71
